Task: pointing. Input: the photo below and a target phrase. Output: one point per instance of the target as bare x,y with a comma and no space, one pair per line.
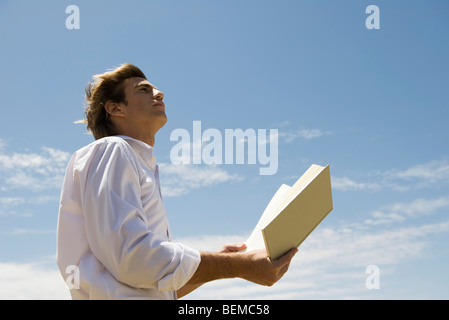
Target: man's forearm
253,266
214,266
186,289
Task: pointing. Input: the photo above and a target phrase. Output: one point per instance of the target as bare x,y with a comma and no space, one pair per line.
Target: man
112,223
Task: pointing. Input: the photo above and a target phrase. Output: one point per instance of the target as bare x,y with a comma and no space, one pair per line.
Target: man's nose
158,95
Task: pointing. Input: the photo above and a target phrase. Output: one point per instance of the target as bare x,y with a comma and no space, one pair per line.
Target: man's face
145,109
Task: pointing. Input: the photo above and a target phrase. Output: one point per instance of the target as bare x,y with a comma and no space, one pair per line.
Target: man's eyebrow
144,84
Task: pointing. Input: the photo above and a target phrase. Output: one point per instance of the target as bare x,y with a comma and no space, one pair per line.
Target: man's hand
262,270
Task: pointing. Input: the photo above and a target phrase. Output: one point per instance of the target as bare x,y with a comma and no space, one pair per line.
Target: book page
255,240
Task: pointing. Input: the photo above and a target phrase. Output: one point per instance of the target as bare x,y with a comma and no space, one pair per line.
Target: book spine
267,247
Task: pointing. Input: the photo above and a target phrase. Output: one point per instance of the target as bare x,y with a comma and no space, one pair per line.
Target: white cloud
32,281
33,171
24,206
11,201
380,217
419,207
18,231
431,174
305,134
346,184
399,212
432,171
180,179
281,124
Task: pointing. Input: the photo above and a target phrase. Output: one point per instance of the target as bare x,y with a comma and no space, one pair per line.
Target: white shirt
113,228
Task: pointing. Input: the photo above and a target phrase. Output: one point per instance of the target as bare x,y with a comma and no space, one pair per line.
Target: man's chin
162,117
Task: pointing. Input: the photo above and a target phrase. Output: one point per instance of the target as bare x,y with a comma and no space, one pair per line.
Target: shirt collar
143,150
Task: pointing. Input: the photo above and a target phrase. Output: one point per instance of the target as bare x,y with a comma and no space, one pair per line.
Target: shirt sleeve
116,226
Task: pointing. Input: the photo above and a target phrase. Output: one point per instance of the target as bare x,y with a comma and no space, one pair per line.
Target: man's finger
288,256
234,247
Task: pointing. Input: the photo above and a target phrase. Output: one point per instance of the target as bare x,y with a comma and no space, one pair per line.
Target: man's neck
150,141
147,138
146,134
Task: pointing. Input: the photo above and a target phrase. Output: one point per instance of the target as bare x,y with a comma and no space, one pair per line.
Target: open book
293,213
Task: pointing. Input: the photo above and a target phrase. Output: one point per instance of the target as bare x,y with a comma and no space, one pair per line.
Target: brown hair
105,87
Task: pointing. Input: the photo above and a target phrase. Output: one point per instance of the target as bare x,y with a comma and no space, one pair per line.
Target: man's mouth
160,103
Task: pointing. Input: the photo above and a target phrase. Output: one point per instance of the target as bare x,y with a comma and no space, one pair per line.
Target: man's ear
113,109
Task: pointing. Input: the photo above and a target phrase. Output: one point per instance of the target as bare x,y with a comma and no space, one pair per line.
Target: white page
255,240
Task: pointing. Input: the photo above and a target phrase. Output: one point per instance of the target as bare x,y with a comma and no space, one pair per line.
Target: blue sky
371,103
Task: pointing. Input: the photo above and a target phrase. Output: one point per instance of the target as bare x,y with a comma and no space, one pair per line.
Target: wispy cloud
24,206
33,171
41,172
303,133
399,212
424,174
17,231
431,174
346,184
32,281
11,201
178,180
